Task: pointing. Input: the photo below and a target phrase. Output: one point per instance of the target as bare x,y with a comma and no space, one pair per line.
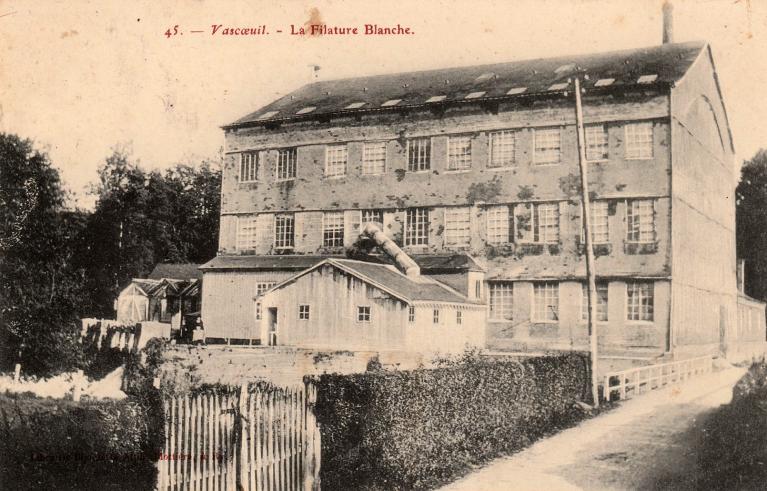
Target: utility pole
586,202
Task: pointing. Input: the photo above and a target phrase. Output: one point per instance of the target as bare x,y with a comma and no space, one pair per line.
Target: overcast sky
79,77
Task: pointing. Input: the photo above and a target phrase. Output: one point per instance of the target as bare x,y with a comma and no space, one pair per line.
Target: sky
83,77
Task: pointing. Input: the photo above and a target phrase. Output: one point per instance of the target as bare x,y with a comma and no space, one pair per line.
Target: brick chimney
668,22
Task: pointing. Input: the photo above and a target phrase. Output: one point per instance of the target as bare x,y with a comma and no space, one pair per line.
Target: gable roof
389,279
660,65
176,271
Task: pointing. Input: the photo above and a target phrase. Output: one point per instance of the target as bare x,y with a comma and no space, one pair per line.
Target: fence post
239,434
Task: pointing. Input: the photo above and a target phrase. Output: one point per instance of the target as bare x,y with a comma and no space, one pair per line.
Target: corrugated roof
389,277
176,271
269,262
667,63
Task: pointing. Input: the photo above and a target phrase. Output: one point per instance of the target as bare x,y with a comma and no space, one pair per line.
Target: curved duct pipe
404,262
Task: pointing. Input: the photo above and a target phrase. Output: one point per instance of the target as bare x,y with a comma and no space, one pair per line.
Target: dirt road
643,444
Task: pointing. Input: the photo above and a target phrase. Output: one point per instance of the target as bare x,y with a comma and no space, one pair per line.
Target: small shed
343,304
134,301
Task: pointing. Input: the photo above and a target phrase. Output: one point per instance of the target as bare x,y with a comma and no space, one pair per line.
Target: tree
144,218
751,219
40,289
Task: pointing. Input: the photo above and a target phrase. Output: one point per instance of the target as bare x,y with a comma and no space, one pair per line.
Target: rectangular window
599,223
503,149
284,231
459,153
247,233
303,312
458,317
372,216
374,158
418,154
286,164
546,223
333,229
639,301
601,302
548,143
457,227
411,314
596,142
248,166
335,160
545,302
639,140
499,226
260,289
640,220
417,226
363,313
501,301
435,317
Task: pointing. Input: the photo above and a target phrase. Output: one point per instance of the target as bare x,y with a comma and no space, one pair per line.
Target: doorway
272,341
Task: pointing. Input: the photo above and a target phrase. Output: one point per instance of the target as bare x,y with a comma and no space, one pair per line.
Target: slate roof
664,64
388,278
429,263
263,262
176,271
445,263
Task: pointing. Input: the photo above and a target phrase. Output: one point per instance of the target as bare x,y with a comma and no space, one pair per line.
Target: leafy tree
752,223
40,289
144,218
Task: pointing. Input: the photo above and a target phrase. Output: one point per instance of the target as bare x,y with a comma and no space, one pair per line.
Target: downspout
404,262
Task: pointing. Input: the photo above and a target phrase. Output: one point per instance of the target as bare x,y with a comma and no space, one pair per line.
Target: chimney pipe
668,22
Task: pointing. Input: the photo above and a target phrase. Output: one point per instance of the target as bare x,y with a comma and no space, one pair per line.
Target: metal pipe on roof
404,262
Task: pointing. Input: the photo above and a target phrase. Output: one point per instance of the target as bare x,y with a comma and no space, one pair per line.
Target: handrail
634,381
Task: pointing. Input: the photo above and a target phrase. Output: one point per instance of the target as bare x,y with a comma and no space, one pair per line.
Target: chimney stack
668,22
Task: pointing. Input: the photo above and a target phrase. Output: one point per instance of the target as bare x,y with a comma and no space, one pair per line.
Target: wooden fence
262,438
628,383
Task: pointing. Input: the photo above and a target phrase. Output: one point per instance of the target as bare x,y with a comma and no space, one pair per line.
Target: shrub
420,428
59,444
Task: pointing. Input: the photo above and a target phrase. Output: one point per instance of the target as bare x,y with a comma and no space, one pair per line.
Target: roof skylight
516,90
559,86
268,115
391,102
475,95
436,98
484,77
604,82
646,79
306,110
355,105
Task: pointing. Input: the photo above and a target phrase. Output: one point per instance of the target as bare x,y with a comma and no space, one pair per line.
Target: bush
60,444
420,428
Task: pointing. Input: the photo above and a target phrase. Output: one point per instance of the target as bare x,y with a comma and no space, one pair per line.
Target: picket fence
257,438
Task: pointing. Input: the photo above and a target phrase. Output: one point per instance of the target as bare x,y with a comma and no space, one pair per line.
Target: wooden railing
628,383
255,439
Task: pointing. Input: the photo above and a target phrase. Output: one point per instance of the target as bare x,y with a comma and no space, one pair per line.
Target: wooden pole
590,273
